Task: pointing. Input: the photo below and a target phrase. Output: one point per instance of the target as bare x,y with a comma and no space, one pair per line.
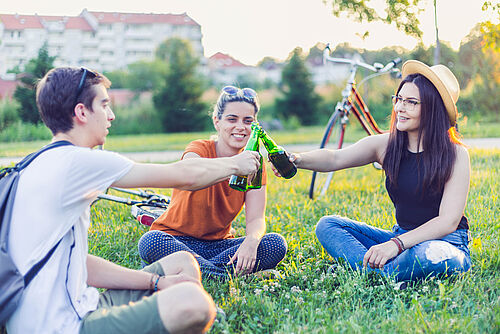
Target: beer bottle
256,182
239,182
278,156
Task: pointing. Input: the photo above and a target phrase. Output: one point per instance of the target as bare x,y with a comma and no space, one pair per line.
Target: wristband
156,283
401,242
153,281
397,242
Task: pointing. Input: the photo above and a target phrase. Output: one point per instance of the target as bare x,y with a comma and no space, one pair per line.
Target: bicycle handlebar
355,63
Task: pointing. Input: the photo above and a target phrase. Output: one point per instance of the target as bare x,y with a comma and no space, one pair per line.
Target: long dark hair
435,137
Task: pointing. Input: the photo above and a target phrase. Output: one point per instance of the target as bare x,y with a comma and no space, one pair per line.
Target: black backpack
12,283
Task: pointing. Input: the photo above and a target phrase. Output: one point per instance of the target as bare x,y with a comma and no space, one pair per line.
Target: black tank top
413,206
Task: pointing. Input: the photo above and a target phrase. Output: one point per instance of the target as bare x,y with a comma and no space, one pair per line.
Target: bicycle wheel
332,138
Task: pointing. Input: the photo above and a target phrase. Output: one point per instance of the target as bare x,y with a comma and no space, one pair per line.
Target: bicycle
146,211
352,102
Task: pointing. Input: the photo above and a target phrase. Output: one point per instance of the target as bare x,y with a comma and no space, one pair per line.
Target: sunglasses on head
249,93
85,73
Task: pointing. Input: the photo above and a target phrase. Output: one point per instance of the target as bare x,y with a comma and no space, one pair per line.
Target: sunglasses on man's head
249,93
85,73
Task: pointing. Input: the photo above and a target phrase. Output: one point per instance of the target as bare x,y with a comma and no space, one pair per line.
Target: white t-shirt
52,202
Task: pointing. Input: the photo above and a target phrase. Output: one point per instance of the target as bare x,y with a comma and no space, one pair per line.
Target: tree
480,76
25,93
401,13
178,99
297,88
491,30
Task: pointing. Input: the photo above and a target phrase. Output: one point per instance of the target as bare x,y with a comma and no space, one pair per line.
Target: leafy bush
8,113
140,118
20,131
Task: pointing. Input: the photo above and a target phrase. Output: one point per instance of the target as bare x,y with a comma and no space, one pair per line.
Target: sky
253,29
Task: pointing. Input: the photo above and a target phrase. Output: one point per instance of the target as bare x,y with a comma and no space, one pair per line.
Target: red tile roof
70,22
7,88
141,18
224,60
20,22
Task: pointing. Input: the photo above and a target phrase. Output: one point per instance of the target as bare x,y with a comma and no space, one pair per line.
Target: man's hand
246,256
378,255
248,162
171,280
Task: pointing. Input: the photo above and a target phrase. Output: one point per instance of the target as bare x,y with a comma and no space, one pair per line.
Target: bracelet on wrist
400,248
153,281
401,242
156,283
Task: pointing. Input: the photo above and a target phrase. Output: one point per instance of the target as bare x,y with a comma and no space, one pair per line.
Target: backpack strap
30,157
17,168
39,265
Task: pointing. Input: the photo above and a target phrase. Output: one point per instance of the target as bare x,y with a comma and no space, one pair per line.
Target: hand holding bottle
239,181
247,162
278,157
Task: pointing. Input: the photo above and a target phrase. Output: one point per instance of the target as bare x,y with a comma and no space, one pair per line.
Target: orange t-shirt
207,213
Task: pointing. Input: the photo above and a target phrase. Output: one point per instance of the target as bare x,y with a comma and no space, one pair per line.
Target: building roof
223,60
20,22
141,18
7,88
70,22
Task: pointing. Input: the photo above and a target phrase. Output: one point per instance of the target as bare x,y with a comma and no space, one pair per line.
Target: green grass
306,299
178,141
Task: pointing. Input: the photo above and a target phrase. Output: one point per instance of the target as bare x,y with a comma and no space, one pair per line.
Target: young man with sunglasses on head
53,203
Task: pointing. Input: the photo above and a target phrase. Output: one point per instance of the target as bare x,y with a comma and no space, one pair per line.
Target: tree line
177,84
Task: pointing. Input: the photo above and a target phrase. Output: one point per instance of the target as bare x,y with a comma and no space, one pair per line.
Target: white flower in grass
287,295
295,289
286,310
265,288
257,292
300,300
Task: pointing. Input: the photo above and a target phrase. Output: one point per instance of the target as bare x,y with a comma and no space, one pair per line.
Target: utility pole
437,50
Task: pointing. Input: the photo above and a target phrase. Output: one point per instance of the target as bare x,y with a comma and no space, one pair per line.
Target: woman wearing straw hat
427,177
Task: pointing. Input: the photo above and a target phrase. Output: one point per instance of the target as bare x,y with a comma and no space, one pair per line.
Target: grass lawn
308,300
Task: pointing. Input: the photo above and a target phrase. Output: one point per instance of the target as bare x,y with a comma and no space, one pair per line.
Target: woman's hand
293,157
378,255
246,256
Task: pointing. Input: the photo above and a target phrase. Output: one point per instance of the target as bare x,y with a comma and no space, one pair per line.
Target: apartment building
104,41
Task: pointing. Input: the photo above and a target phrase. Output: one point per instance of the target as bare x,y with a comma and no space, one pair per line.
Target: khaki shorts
126,311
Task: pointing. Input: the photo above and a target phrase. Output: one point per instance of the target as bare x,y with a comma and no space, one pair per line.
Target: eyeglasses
407,103
249,93
81,85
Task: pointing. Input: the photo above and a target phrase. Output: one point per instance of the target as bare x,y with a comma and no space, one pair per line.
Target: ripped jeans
350,240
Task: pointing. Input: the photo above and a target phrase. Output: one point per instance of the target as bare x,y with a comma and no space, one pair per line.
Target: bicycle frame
145,211
352,102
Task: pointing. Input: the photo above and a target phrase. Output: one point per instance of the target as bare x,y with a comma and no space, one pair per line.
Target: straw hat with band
444,81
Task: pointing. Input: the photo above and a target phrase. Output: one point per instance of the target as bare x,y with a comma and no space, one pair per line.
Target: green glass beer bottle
278,156
239,182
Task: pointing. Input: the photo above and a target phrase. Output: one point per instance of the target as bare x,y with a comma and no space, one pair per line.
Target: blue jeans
212,255
350,240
